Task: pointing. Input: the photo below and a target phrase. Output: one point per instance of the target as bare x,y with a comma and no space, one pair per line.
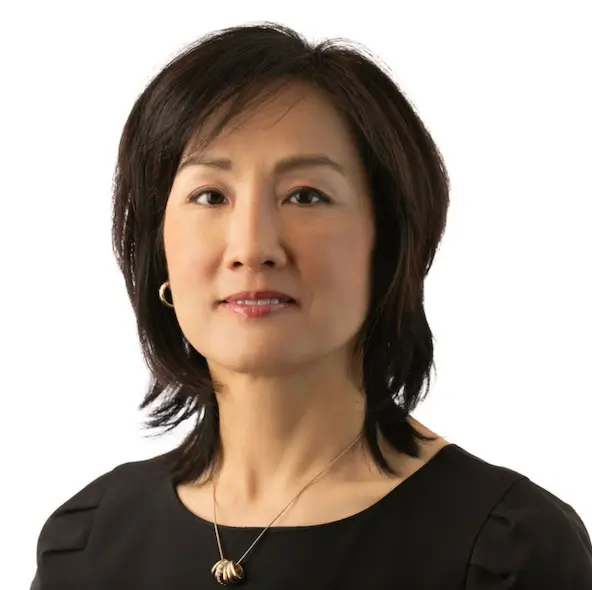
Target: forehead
298,118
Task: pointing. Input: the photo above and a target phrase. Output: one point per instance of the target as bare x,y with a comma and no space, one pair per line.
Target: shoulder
66,531
68,526
531,539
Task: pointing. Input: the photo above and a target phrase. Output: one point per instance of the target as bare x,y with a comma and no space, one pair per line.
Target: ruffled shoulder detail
531,539
68,526
66,532
62,561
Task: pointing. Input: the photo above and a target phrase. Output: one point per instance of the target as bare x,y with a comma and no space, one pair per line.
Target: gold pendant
228,572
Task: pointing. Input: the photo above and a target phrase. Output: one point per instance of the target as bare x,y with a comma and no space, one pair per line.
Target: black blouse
456,523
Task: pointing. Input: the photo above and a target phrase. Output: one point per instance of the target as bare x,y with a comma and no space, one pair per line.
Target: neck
278,432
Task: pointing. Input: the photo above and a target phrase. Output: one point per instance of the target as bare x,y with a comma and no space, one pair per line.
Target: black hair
409,186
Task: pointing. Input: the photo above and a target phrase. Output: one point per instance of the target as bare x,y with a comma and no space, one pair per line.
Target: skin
287,401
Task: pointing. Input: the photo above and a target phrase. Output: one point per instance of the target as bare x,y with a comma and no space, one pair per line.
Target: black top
456,523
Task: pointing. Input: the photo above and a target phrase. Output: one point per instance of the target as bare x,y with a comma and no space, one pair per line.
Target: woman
277,207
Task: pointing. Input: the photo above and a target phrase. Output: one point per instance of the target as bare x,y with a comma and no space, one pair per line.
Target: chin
270,361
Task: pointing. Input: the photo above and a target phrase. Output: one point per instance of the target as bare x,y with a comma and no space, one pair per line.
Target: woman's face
251,214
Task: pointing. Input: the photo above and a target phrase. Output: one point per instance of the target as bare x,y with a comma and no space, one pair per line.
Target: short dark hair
409,185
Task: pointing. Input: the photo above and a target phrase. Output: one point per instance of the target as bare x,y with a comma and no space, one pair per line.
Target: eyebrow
281,167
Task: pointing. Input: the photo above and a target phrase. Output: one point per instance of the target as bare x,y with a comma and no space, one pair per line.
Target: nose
254,237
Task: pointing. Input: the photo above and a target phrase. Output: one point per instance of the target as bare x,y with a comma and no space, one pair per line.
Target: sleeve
531,540
63,537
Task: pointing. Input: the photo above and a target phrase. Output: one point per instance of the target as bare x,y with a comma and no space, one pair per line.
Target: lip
257,295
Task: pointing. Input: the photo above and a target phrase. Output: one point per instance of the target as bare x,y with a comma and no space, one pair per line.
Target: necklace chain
227,571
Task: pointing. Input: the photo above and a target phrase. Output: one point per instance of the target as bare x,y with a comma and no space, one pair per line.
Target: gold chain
227,571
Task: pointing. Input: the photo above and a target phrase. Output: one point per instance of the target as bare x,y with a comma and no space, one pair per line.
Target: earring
161,294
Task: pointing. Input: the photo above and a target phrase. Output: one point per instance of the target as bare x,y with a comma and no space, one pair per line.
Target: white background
505,90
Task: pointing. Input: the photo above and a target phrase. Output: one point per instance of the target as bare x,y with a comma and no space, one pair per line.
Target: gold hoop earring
161,294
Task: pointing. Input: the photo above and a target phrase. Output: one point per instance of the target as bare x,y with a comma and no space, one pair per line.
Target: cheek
186,260
341,261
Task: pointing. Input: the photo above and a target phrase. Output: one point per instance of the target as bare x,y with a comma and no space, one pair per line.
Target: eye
213,195
311,193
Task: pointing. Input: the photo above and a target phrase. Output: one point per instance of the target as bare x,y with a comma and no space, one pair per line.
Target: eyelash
324,199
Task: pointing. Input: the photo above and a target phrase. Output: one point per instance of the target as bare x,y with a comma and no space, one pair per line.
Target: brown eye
310,194
212,197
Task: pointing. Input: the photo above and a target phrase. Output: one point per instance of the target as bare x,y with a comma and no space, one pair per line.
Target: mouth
258,298
257,302
257,308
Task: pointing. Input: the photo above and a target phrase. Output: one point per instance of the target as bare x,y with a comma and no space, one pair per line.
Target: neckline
399,490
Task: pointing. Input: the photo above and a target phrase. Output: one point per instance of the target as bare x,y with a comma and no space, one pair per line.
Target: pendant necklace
227,571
